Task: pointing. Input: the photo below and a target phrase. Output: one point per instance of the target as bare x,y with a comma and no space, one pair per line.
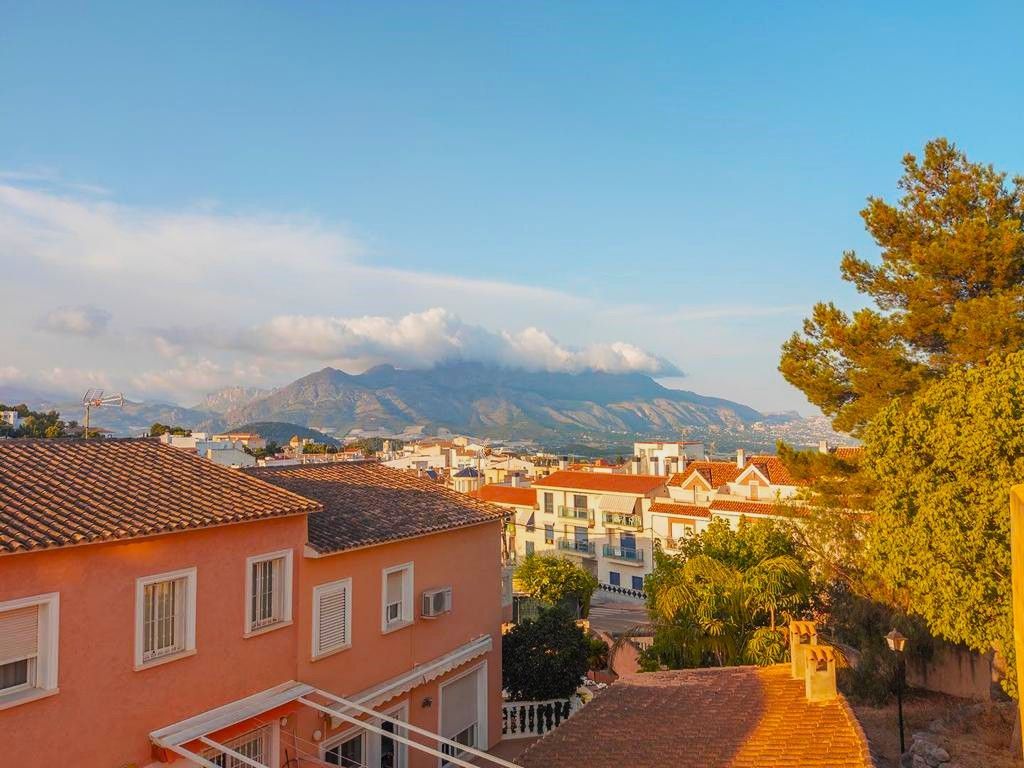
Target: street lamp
897,643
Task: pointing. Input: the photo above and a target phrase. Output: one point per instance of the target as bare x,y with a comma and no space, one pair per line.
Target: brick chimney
819,672
802,634
741,458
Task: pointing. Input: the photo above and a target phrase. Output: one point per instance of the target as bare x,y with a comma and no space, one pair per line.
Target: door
391,753
461,704
582,536
627,542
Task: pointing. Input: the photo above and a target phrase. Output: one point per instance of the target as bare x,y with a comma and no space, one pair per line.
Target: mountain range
472,398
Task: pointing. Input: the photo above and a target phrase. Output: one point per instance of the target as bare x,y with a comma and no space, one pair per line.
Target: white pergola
174,738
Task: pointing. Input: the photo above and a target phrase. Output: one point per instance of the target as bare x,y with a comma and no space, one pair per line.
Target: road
615,615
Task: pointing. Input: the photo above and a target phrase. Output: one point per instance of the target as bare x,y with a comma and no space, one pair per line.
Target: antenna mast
95,398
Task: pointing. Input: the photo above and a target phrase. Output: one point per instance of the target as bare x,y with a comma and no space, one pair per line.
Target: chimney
741,458
635,469
820,673
453,454
823,446
654,465
563,462
514,480
802,635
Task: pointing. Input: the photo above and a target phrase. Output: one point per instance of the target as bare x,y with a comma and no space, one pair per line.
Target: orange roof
773,468
507,494
58,493
602,482
760,717
674,508
717,473
745,507
848,452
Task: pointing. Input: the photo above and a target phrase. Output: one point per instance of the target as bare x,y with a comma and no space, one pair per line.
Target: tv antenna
97,398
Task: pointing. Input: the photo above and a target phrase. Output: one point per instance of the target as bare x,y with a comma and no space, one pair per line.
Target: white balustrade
526,719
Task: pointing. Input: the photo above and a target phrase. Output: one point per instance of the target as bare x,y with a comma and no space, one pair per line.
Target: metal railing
579,546
577,513
631,554
623,519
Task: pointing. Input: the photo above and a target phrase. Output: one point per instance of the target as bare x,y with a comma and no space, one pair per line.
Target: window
268,591
549,534
579,501
28,647
348,753
753,489
530,548
332,617
638,583
460,712
531,524
392,753
549,503
255,745
396,589
165,616
614,578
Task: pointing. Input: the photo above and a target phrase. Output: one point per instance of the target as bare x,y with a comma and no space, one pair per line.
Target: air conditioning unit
436,602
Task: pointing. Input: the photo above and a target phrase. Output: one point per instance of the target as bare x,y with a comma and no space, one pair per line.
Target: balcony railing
529,719
577,513
578,546
630,554
624,520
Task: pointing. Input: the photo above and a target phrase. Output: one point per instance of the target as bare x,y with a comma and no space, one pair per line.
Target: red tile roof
726,717
848,452
773,468
507,494
684,510
717,473
742,506
602,482
58,493
367,503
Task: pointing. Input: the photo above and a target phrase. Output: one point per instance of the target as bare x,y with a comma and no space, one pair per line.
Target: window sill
268,628
395,627
24,697
328,654
164,660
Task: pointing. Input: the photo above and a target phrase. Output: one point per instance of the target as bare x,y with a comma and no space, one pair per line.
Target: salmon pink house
159,610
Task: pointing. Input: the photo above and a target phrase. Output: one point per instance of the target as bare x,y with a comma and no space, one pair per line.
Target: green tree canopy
943,463
544,658
948,291
553,579
157,429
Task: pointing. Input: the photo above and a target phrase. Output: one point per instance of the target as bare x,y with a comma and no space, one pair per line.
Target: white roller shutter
459,704
19,634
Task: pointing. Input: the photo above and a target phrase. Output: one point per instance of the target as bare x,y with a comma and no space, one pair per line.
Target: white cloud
76,321
194,377
422,339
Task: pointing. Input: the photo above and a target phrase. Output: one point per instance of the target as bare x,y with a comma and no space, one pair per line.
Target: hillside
281,432
491,401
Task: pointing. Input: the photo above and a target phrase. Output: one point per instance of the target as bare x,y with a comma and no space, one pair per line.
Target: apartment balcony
623,520
576,546
581,514
626,554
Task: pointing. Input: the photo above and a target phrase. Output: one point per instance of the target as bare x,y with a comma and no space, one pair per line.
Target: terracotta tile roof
57,493
742,506
848,452
602,482
717,473
675,508
367,503
773,468
749,717
507,494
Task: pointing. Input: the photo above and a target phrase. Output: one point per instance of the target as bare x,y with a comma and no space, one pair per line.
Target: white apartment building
665,458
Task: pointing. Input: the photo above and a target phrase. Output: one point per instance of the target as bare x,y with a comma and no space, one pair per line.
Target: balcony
628,554
576,546
623,520
577,513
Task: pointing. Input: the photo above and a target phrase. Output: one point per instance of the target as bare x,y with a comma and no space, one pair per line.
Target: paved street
614,614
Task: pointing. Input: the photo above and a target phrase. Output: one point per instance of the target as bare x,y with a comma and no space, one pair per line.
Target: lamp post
897,642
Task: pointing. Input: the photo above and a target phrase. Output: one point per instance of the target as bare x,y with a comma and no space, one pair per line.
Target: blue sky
186,183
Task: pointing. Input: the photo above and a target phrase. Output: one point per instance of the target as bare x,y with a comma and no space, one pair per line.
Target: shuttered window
460,712
332,617
396,597
19,648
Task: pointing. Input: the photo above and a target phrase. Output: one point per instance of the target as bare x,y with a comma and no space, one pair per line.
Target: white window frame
45,662
481,706
189,647
398,712
408,590
272,731
347,735
318,591
286,604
